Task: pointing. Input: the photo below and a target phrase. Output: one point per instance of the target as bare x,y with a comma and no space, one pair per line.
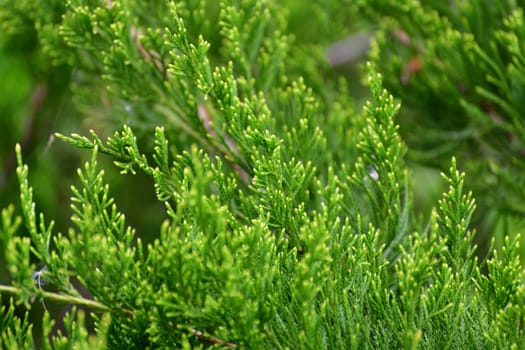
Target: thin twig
212,340
68,299
206,119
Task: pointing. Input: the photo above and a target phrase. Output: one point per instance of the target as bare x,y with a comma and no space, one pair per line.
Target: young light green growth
276,230
222,273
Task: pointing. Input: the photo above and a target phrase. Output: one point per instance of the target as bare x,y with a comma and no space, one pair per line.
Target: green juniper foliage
458,67
287,218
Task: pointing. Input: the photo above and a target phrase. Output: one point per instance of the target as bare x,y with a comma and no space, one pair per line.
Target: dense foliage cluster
279,215
459,68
